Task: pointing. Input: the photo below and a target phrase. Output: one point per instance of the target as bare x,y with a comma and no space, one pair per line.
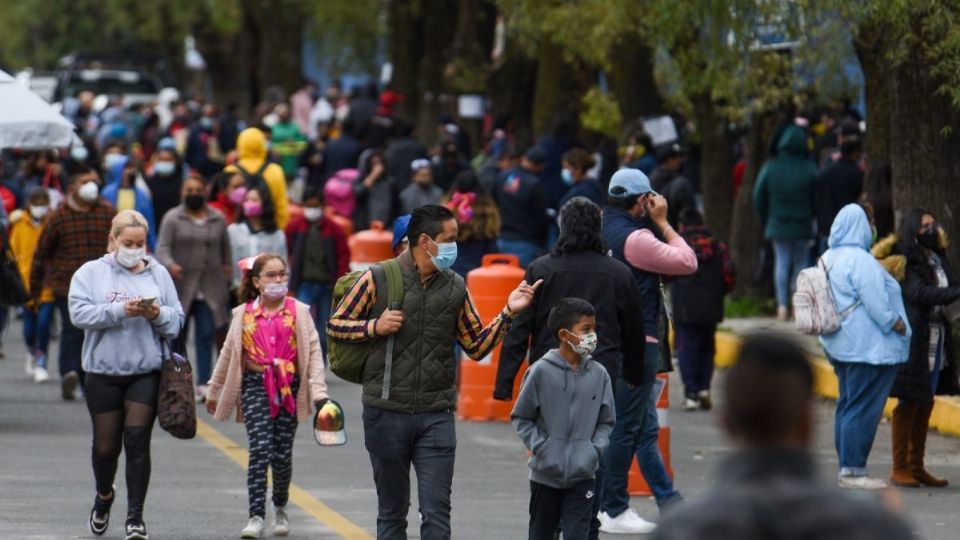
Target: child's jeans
36,331
695,351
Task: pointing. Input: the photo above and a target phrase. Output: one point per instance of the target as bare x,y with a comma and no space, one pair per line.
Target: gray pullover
114,344
564,418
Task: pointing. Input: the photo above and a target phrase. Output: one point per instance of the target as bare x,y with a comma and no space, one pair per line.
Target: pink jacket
224,385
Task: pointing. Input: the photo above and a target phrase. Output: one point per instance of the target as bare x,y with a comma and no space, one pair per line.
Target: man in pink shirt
636,230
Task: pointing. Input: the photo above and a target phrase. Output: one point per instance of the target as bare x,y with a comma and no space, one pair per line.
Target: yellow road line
298,496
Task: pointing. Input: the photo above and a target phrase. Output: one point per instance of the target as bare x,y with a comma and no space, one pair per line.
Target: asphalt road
198,487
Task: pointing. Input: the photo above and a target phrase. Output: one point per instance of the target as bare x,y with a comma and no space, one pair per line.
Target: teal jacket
784,192
866,335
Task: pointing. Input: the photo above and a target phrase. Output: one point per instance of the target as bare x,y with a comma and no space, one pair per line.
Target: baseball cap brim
329,426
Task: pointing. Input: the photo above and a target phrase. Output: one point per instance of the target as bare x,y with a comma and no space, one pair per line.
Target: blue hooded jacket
142,202
866,335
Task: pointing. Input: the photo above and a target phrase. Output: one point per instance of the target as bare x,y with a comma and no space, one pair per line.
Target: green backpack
348,358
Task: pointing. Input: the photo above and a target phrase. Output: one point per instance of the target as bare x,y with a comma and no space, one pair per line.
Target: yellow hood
895,264
252,145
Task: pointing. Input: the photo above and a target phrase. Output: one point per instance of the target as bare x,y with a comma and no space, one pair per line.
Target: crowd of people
239,232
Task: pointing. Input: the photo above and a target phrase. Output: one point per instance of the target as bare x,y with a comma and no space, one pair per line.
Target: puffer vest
424,359
618,224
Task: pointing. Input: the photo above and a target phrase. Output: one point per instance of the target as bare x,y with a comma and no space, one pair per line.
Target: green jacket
424,359
784,192
288,143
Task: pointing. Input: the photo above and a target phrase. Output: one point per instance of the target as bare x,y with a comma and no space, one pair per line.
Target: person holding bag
272,345
126,303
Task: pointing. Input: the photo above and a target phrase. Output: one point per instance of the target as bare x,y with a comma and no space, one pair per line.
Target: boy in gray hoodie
564,415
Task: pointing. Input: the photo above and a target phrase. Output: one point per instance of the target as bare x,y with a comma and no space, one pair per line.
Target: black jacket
837,186
522,202
775,495
601,280
698,298
341,153
920,294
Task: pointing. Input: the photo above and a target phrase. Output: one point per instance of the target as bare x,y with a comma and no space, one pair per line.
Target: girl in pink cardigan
272,346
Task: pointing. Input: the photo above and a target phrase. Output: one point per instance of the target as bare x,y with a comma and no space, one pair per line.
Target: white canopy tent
27,121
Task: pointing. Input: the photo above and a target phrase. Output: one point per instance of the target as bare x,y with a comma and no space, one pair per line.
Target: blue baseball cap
629,183
400,230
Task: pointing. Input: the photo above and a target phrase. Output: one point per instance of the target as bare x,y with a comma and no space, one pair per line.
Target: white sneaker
254,528
28,364
628,522
41,375
783,314
706,402
281,523
200,392
861,482
690,404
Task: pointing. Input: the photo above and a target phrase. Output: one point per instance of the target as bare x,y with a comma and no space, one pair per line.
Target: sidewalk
946,411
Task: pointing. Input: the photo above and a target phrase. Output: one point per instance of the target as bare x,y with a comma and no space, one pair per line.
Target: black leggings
123,409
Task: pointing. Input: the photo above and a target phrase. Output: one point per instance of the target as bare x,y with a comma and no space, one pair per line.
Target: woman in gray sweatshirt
124,302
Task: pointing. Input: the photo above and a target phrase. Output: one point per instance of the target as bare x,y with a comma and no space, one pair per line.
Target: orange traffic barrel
636,484
490,285
370,246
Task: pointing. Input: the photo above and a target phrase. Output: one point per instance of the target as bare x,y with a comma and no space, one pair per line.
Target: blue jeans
789,257
863,393
525,251
36,331
203,338
319,296
635,433
696,348
71,341
395,440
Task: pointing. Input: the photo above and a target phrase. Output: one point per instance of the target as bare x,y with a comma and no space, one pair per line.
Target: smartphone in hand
148,301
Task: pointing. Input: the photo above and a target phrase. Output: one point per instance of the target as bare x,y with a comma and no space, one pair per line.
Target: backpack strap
826,271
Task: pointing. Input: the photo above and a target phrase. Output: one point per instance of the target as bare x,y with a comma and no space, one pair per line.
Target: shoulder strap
384,288
841,314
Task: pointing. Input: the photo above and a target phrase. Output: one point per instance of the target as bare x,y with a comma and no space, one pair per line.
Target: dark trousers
203,338
71,341
696,349
428,441
571,508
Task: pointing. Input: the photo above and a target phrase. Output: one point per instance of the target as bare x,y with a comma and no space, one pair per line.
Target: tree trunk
437,37
925,171
511,90
877,89
281,29
557,91
716,175
632,82
746,240
405,50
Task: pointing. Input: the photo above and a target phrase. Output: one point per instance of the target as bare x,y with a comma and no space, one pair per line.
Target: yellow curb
308,503
946,409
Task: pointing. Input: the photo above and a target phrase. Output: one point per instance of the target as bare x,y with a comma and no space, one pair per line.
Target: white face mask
89,191
38,212
313,214
79,153
110,160
164,167
130,257
588,344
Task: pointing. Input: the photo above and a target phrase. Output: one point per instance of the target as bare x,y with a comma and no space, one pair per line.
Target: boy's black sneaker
136,530
100,515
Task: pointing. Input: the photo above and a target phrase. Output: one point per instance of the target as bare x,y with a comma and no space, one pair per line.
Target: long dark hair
580,228
907,243
247,291
269,216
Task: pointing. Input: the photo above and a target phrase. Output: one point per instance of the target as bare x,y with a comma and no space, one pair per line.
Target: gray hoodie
113,343
564,418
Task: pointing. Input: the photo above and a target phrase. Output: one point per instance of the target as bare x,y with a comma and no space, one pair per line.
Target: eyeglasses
283,274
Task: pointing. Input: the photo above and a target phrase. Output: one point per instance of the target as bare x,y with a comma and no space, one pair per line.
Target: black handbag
177,403
12,291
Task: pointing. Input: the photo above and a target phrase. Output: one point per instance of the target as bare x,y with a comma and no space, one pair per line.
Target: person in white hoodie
125,302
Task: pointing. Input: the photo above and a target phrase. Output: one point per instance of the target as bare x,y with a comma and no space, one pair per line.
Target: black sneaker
136,530
100,515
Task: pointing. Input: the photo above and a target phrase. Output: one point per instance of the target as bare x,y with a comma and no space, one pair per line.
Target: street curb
946,410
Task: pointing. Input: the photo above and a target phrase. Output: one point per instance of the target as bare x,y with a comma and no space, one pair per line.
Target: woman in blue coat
124,192
871,344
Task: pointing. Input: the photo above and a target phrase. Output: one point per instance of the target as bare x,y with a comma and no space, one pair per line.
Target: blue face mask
446,255
567,177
